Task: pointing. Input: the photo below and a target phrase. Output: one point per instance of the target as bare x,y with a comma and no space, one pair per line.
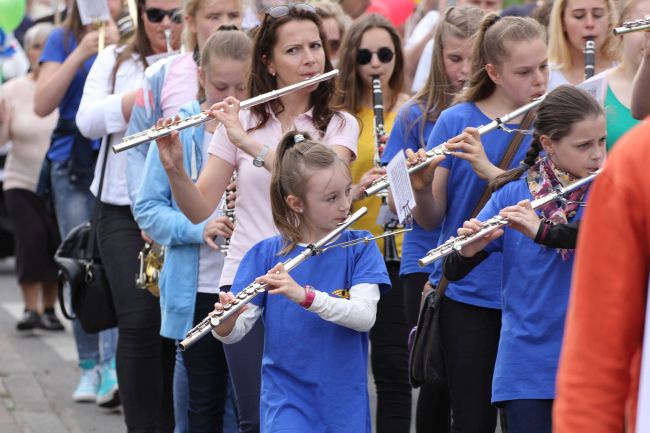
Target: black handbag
82,272
426,361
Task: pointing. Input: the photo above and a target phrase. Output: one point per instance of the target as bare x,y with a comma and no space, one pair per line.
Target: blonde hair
191,7
559,51
436,94
328,9
36,32
490,47
225,44
294,164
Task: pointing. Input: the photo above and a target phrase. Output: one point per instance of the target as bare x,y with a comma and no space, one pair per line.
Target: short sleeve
343,130
54,50
369,266
253,265
404,134
439,135
222,147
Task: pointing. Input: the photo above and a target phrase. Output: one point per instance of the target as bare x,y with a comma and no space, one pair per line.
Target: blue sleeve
492,209
54,49
253,265
405,133
441,133
153,209
369,266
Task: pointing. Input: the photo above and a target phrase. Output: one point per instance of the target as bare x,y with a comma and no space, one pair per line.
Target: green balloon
12,14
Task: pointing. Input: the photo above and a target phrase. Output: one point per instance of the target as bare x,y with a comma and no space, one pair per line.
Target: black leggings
470,338
145,360
389,359
433,413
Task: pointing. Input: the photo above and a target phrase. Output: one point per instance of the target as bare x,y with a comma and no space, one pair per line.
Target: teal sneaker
86,391
108,395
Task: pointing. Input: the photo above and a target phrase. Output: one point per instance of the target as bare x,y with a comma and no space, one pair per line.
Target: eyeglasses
156,15
283,10
384,54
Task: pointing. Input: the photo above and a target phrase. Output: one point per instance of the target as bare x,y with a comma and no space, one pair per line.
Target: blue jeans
73,205
528,416
182,401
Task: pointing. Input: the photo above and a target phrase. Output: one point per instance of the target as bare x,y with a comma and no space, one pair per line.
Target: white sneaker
86,391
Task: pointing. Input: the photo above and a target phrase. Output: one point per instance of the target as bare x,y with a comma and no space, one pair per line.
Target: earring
272,73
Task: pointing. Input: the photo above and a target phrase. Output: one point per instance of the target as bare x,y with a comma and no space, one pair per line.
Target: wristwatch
310,294
258,161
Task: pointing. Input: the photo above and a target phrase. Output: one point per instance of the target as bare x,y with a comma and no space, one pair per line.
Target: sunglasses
283,10
384,54
156,15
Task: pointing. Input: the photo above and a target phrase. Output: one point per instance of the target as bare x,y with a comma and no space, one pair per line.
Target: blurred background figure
35,231
335,24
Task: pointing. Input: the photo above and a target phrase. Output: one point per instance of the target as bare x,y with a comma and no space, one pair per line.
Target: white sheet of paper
93,10
596,87
643,409
400,185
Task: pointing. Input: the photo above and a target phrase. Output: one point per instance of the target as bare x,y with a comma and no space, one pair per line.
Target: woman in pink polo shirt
289,48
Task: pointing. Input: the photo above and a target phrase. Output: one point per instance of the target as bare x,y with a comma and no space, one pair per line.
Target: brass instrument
152,258
497,222
382,183
590,58
633,26
205,116
252,290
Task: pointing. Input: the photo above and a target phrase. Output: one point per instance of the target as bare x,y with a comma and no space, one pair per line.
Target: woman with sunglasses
144,360
372,48
66,173
289,48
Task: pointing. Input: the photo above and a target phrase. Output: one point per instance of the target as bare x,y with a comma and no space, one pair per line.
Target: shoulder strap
517,138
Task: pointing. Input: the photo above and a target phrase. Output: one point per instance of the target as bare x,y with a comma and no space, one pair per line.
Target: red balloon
396,11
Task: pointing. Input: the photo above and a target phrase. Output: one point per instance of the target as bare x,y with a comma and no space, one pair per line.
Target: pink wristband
310,294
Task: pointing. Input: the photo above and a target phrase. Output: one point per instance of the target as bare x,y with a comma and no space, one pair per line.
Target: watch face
257,162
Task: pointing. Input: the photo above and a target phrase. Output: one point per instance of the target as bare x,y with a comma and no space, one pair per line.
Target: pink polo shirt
253,208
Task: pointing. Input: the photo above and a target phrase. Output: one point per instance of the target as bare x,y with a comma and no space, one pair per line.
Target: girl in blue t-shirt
509,69
449,72
571,130
314,368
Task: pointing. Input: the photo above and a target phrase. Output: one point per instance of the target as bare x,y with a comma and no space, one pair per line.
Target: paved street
38,374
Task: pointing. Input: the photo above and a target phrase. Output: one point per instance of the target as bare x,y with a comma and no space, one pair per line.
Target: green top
619,118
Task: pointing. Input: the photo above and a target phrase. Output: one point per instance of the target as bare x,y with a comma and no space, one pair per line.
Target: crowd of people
236,199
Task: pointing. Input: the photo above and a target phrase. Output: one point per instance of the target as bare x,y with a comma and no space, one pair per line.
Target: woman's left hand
469,142
282,284
227,113
523,218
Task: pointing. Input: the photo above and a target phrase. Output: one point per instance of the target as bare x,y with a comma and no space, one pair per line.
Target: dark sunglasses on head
384,54
283,10
156,15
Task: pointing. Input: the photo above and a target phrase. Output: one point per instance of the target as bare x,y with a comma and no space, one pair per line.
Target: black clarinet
391,254
590,58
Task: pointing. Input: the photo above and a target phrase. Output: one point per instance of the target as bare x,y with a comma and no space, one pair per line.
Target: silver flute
154,133
633,26
252,290
590,58
497,222
381,183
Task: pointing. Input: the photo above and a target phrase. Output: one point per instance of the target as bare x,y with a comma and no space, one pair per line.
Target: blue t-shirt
482,287
314,372
536,284
57,50
407,134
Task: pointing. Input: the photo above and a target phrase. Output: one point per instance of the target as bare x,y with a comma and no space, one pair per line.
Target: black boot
29,321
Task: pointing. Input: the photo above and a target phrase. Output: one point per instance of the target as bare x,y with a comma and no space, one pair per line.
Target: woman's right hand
227,113
422,179
470,227
89,45
170,148
226,326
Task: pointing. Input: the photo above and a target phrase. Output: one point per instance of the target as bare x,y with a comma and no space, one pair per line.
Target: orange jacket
598,377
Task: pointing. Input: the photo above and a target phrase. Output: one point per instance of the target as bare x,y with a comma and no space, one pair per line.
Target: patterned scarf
544,178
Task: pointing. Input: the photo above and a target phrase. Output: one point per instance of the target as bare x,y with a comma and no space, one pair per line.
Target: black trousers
207,375
389,359
433,412
144,360
470,338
